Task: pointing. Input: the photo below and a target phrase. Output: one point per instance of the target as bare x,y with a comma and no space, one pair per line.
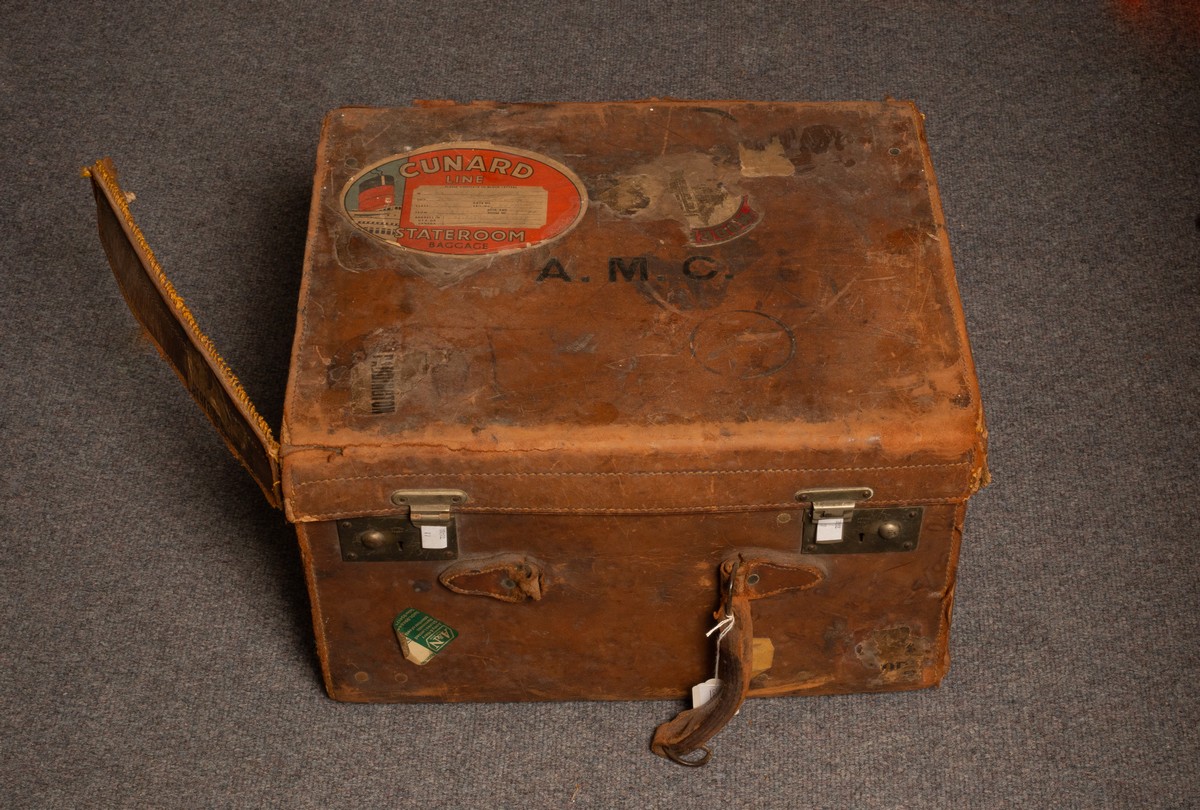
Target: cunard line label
465,199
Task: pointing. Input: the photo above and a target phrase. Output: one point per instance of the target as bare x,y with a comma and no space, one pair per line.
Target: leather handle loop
691,729
744,577
691,763
507,577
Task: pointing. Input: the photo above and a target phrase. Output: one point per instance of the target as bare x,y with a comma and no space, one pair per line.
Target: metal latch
428,507
830,510
428,532
835,523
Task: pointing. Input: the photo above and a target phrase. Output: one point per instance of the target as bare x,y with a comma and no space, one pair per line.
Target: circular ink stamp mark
743,344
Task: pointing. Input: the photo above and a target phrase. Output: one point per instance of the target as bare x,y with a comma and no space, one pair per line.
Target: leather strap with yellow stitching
174,331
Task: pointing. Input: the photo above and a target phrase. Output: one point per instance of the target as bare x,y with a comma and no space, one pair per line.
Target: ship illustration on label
465,199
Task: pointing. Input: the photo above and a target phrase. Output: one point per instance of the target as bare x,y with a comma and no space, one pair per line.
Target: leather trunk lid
745,299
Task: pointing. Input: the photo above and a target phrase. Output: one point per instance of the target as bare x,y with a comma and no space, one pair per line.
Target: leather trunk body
632,343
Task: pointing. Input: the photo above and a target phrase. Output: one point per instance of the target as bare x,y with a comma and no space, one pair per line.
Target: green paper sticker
422,636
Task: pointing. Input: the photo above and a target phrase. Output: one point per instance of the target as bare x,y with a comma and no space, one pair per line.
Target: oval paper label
465,199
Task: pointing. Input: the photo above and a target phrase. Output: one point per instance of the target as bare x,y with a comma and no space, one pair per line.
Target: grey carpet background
155,645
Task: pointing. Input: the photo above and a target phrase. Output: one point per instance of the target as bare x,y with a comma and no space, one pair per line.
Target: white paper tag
703,692
830,530
435,537
480,206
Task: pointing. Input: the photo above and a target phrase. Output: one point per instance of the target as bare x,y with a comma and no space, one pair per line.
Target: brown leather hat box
612,401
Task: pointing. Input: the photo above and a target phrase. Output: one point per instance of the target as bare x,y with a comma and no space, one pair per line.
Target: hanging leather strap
174,331
744,577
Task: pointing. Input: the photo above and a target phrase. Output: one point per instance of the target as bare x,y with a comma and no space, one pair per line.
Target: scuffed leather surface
630,479
625,609
594,431
556,396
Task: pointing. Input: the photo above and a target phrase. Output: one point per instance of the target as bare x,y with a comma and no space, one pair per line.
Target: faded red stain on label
465,199
741,221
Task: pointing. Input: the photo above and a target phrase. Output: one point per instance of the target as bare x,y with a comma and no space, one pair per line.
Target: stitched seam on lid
650,510
299,484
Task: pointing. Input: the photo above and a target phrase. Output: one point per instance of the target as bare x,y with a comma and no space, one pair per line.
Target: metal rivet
372,538
351,556
346,524
507,583
783,517
889,530
361,677
752,579
894,151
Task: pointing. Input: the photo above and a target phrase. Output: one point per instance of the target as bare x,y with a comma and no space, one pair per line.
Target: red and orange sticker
465,199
